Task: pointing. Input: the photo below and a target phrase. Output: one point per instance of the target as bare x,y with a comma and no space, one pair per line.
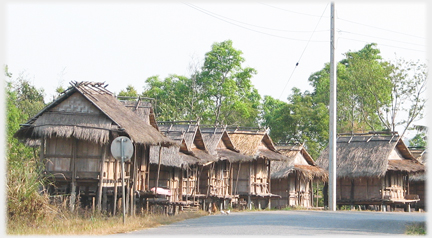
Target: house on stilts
75,133
417,180
293,177
251,172
373,169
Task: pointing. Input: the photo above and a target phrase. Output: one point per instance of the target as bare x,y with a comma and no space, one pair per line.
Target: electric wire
342,19
341,31
215,16
298,61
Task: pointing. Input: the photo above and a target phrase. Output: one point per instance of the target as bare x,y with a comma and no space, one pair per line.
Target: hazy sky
125,43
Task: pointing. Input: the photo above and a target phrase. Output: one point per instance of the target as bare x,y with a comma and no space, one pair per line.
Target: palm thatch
370,156
219,144
298,159
192,142
142,107
171,157
281,169
88,111
255,143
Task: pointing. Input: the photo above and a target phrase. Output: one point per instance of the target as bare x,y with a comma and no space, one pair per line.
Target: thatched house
417,180
216,180
373,169
293,178
251,177
178,169
75,133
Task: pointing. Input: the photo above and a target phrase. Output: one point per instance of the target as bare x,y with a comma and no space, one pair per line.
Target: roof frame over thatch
368,155
254,142
282,169
142,106
188,133
213,137
96,125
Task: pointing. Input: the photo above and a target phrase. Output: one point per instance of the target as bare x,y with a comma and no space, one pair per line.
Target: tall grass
25,200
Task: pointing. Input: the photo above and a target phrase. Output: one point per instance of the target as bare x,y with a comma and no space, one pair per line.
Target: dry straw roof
171,157
190,137
281,169
254,142
142,107
103,113
368,156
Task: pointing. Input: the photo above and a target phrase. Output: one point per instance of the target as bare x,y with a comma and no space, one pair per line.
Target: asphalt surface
292,223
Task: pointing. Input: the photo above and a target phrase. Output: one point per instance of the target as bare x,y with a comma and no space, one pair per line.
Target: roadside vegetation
88,223
416,229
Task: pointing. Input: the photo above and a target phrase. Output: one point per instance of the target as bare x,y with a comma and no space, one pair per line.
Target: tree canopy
220,92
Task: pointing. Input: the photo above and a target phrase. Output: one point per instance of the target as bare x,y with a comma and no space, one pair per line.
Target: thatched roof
88,111
219,143
254,142
281,169
142,107
370,156
190,137
171,157
293,152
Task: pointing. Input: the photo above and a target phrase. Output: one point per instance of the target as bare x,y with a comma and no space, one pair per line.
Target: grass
94,224
418,228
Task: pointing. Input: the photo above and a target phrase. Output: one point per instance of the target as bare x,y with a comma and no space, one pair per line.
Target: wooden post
115,186
102,168
158,171
134,184
73,175
269,183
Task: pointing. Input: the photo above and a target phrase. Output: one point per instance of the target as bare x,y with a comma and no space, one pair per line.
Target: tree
408,99
129,92
301,120
419,140
362,85
227,84
176,97
24,203
220,92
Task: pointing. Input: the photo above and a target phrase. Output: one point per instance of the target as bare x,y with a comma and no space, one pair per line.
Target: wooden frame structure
251,178
373,169
75,132
417,180
293,178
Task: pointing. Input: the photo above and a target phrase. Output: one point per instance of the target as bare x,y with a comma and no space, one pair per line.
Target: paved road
292,223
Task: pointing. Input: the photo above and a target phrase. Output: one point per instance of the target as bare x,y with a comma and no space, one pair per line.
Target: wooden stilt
102,168
115,187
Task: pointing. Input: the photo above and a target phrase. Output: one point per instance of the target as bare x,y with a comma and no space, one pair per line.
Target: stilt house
373,169
417,180
190,157
75,133
293,178
216,180
251,177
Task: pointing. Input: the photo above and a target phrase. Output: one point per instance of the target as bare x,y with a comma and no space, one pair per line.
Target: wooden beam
102,168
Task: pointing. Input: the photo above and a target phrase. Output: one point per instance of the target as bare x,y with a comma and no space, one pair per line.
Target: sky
125,42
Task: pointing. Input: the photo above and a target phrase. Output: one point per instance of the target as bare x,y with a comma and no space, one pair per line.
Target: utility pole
333,114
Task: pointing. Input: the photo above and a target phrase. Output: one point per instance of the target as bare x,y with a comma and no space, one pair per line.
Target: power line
301,13
302,53
262,27
380,28
381,38
354,22
215,16
382,44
